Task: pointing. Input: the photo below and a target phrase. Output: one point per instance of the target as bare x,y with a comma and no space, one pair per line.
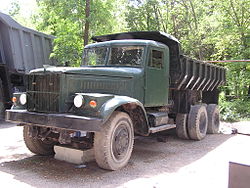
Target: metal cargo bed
23,49
199,75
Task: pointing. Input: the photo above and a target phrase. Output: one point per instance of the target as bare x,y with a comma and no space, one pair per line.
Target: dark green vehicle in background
129,83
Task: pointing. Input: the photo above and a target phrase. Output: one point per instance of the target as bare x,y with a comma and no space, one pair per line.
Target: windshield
126,56
95,56
118,56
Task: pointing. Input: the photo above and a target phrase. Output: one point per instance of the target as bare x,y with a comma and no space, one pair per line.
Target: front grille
43,93
114,86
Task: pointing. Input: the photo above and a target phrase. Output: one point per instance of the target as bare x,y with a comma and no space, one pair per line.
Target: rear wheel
37,146
213,119
197,122
181,126
113,145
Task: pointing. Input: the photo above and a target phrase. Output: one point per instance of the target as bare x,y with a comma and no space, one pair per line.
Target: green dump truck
134,83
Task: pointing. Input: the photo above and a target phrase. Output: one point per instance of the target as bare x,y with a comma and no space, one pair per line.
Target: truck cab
128,83
146,61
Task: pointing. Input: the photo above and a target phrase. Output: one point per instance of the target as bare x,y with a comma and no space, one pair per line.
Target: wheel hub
202,125
121,142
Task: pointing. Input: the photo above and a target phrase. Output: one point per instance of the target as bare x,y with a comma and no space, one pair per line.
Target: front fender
111,105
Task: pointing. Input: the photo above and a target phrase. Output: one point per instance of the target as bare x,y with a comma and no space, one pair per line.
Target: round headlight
23,99
78,101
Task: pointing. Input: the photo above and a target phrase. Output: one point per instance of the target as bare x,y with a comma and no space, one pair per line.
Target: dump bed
23,49
185,72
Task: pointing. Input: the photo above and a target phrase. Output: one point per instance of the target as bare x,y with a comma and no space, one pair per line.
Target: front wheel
113,145
36,145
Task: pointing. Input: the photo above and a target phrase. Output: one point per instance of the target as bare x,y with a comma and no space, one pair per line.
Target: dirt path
176,163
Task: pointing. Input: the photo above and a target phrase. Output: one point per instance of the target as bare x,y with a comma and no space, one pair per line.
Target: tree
73,22
86,29
207,30
15,9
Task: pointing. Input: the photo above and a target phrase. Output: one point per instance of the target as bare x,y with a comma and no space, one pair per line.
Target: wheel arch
132,107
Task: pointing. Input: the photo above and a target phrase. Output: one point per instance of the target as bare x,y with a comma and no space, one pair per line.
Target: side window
156,59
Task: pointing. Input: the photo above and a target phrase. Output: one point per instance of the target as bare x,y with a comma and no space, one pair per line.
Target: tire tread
101,146
193,122
181,126
212,111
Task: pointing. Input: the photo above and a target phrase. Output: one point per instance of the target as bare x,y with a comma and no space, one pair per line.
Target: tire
181,126
37,146
197,122
213,114
109,153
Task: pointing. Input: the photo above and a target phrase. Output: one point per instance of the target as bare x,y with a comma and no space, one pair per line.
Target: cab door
157,77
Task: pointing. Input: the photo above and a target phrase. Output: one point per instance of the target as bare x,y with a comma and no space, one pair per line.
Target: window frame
150,61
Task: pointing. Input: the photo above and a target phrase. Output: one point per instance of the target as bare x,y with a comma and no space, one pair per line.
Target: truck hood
99,71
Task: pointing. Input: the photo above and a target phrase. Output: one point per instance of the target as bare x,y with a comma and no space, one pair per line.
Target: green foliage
15,9
238,79
234,109
66,19
207,30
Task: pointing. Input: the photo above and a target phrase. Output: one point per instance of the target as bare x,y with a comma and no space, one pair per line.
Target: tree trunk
156,17
248,93
86,29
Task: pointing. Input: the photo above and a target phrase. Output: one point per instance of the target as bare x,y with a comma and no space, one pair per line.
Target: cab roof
157,36
127,42
146,35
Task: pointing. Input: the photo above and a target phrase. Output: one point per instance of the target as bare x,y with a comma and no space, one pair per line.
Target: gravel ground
174,163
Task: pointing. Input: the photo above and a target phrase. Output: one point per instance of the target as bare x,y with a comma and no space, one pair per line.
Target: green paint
122,75
157,79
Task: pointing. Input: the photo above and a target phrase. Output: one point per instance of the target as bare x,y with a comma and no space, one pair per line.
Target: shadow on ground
4,124
149,157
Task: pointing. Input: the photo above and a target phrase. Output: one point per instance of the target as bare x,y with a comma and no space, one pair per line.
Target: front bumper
61,121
